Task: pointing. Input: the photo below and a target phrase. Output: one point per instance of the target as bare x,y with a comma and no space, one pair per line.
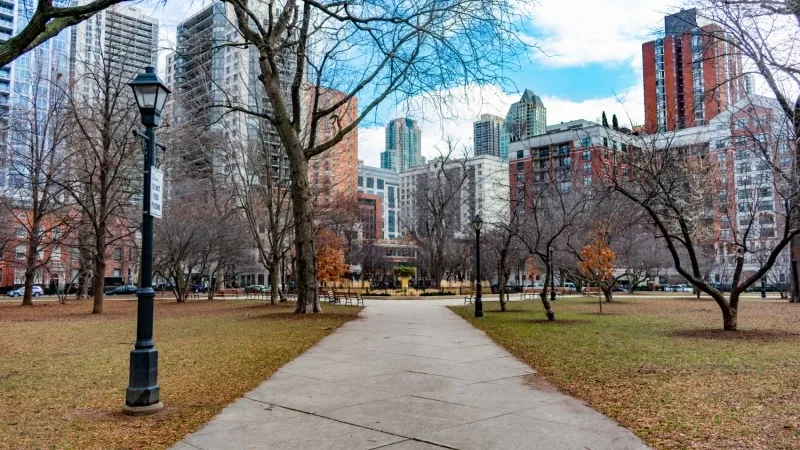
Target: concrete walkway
408,375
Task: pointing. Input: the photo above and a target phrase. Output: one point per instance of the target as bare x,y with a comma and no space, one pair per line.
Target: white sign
156,192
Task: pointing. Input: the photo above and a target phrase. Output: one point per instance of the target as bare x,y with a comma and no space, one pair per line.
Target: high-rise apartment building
28,89
484,191
114,44
690,75
526,118
385,183
490,137
208,75
403,145
120,38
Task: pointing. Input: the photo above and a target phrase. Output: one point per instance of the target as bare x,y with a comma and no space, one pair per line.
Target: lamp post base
143,392
142,410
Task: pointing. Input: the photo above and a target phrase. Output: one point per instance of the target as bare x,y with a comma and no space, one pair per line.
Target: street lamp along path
143,395
477,223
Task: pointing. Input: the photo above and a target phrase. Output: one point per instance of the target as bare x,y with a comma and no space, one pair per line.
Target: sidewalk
408,375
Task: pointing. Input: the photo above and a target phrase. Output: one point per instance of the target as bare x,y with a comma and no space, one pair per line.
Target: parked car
571,286
680,288
536,285
20,291
122,290
620,289
255,289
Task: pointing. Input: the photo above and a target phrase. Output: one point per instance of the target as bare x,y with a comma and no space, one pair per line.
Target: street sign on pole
156,191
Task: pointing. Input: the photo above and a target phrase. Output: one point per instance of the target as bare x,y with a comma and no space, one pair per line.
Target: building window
360,181
117,272
587,155
380,183
55,252
21,231
370,183
20,252
587,168
117,254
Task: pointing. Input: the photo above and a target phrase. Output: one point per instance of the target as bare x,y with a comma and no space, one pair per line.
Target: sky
587,60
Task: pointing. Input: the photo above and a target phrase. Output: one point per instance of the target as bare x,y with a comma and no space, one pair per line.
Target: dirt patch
738,335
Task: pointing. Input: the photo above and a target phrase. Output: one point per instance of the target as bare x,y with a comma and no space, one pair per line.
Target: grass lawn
63,371
664,368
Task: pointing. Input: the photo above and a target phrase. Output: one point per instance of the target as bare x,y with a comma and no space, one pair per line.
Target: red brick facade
57,261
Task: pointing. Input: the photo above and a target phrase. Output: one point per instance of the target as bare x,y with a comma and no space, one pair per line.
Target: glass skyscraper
526,118
27,84
403,145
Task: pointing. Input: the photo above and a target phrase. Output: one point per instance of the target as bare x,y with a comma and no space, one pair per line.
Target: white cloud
579,32
370,145
628,106
462,106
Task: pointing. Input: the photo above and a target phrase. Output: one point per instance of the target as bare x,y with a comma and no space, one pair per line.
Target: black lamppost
476,223
143,395
763,288
552,275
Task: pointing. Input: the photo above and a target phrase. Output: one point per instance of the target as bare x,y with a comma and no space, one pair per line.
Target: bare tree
436,215
677,183
38,130
46,21
766,34
260,182
103,175
547,210
417,48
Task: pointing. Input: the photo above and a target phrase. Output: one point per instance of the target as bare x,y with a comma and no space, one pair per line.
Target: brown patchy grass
63,371
664,369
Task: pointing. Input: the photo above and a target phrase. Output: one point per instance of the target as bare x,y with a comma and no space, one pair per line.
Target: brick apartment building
571,154
333,175
690,75
370,207
745,186
58,259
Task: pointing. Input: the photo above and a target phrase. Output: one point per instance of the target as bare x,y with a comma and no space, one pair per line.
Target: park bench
349,299
228,292
333,298
468,298
593,290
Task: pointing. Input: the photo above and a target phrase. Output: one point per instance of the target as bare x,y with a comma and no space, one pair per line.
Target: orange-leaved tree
597,263
330,256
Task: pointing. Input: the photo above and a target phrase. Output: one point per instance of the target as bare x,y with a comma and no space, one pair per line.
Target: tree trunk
729,319
98,283
548,310
27,296
794,267
306,279
502,282
607,293
273,281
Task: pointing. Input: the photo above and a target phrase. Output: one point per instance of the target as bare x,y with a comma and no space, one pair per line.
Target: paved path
408,375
